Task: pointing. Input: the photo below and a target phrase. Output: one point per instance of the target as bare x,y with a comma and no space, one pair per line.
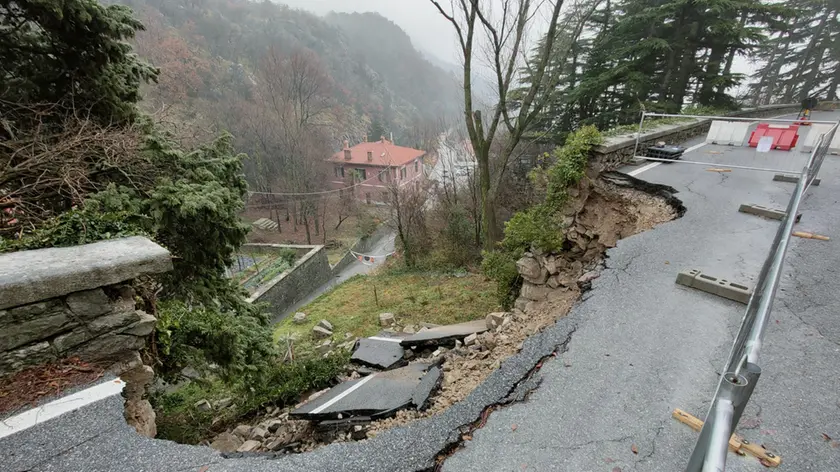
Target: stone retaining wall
618,151
363,245
59,303
310,271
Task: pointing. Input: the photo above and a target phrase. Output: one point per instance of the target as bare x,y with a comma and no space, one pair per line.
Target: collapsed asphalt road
636,347
645,346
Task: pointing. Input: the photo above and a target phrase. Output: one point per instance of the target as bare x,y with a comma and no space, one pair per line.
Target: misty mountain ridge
375,71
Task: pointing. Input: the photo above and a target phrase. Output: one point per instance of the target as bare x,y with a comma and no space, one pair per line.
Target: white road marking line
377,338
654,164
695,147
342,395
642,169
56,408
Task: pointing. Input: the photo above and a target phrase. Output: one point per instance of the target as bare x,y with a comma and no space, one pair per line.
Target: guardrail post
709,453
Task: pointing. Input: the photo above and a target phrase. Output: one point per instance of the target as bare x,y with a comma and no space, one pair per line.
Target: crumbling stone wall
59,303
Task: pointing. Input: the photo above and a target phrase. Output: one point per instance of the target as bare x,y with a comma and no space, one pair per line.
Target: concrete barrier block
772,213
791,179
714,285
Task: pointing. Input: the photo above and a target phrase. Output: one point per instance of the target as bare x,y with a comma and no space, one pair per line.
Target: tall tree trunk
306,225
796,79
706,95
488,203
673,53
730,56
832,87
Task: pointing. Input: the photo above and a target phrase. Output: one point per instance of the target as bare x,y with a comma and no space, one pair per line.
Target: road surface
642,346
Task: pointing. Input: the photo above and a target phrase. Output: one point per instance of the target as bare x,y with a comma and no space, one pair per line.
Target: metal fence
741,371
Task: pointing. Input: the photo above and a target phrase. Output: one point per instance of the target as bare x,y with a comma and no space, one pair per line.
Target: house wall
372,185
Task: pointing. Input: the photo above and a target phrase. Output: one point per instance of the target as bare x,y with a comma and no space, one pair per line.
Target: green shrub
239,342
500,266
541,226
278,385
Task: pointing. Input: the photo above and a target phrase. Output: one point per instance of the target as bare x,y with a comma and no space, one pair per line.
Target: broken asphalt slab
445,333
376,395
378,352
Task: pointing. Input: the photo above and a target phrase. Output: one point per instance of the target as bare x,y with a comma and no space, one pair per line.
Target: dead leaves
28,386
634,449
513,427
830,441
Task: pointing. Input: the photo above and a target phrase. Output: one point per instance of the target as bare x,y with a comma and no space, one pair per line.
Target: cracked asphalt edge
422,443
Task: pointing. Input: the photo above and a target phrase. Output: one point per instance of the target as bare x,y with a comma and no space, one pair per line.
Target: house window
394,173
339,171
384,196
383,176
367,198
362,174
416,166
402,173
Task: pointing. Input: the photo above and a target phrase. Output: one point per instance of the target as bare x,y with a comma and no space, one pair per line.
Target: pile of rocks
545,274
277,433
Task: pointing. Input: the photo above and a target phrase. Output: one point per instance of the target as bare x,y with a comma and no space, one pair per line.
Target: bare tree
288,123
407,205
504,38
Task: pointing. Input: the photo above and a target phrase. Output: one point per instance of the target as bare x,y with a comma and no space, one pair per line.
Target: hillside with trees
211,52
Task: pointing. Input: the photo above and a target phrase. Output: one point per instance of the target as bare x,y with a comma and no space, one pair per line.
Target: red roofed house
373,167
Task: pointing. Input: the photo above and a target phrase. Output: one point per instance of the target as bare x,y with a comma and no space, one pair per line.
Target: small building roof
383,153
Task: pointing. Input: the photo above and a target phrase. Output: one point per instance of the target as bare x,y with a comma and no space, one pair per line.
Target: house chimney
366,138
347,155
383,139
370,156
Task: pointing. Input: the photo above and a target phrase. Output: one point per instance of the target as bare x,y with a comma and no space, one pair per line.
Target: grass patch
413,297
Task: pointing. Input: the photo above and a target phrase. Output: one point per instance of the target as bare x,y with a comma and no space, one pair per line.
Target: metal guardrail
741,371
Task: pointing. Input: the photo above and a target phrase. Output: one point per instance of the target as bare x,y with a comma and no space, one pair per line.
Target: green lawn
413,297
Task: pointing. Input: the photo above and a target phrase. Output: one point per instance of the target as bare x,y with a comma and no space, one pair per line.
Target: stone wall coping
31,276
313,249
614,143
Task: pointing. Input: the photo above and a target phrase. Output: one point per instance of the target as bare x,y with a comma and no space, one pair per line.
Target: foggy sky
429,31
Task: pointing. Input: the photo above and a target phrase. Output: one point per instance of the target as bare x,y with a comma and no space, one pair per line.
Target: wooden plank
737,444
806,235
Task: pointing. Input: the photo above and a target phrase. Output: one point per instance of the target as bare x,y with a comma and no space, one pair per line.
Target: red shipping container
784,138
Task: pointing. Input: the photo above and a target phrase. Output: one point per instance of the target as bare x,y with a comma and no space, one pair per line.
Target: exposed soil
603,211
25,388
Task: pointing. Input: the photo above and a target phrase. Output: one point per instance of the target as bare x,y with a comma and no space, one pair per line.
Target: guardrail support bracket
716,286
772,213
737,444
791,179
